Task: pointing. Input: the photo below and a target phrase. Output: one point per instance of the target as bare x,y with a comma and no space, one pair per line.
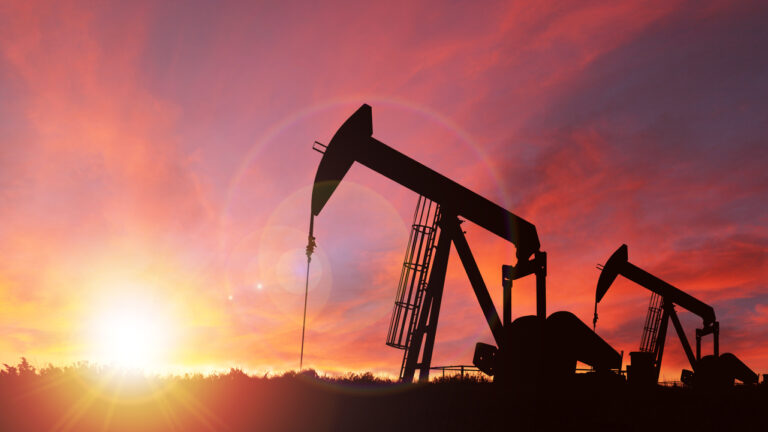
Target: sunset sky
156,170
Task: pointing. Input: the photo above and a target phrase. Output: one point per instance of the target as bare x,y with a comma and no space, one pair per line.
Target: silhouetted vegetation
86,397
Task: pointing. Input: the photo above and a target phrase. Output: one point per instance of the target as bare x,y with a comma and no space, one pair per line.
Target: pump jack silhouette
716,370
529,350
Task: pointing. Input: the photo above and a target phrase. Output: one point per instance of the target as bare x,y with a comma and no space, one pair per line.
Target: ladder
414,276
651,328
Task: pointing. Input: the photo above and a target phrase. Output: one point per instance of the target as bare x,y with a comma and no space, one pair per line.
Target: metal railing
413,277
458,370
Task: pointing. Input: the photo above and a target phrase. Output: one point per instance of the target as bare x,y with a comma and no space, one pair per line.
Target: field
85,398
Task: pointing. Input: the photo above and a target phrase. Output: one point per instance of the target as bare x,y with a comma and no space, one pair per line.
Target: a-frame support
669,313
681,334
419,351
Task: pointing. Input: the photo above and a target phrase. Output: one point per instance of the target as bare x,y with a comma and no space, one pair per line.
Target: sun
134,334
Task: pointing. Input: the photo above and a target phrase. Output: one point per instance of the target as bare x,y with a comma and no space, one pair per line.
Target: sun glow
134,334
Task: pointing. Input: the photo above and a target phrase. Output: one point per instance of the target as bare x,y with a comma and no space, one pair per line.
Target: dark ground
84,398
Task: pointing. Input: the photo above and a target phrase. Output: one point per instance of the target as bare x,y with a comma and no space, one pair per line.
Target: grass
85,397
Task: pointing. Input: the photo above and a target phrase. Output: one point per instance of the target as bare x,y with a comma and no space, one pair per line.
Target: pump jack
551,344
708,371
